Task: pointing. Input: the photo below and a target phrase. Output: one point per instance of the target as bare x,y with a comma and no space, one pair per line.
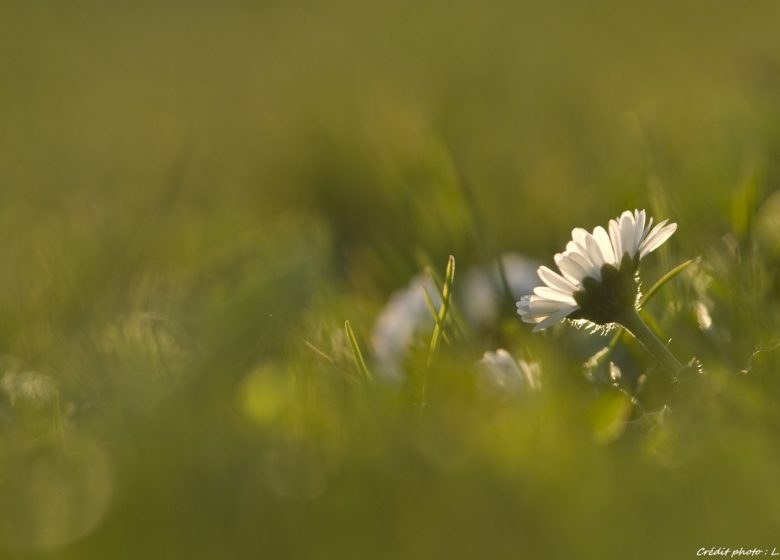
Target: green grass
195,199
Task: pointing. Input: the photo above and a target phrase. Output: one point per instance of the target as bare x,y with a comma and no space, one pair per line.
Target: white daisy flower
405,315
483,293
597,273
634,233
502,373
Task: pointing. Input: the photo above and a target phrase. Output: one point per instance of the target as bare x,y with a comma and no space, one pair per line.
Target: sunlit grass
224,299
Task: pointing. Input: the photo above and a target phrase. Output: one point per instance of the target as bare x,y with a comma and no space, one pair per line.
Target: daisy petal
570,267
614,237
542,306
639,228
605,245
578,235
584,263
524,305
554,318
532,319
572,247
649,237
627,234
648,227
554,294
555,280
657,238
594,252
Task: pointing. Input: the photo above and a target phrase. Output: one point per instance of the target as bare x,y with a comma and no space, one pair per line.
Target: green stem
634,324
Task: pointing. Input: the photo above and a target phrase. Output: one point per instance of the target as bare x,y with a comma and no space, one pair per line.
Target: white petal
578,235
627,234
614,237
572,247
554,318
656,238
584,263
576,265
655,231
570,268
524,310
539,306
555,280
648,227
554,294
524,305
650,236
601,236
596,258
639,229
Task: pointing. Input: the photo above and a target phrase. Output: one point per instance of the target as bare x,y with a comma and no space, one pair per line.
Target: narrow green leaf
432,309
663,280
359,361
435,278
456,321
446,294
431,306
319,352
57,417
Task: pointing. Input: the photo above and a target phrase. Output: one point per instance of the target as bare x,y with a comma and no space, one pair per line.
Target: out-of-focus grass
193,199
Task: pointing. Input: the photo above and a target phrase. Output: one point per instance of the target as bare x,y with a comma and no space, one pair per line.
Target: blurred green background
195,197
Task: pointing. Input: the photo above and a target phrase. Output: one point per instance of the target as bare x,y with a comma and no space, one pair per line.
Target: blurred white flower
28,387
480,296
703,317
520,272
614,372
483,291
501,372
405,315
597,273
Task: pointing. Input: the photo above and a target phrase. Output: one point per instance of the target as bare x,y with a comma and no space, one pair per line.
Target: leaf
663,280
446,294
359,361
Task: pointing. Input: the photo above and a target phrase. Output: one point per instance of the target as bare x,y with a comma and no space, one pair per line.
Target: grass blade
359,361
432,309
446,294
663,280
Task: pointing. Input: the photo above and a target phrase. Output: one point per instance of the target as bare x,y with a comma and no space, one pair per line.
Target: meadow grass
205,210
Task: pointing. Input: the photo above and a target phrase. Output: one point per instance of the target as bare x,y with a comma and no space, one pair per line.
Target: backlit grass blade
432,309
446,294
663,280
457,326
359,361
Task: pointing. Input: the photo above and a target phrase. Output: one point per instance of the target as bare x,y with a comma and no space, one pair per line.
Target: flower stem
634,324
